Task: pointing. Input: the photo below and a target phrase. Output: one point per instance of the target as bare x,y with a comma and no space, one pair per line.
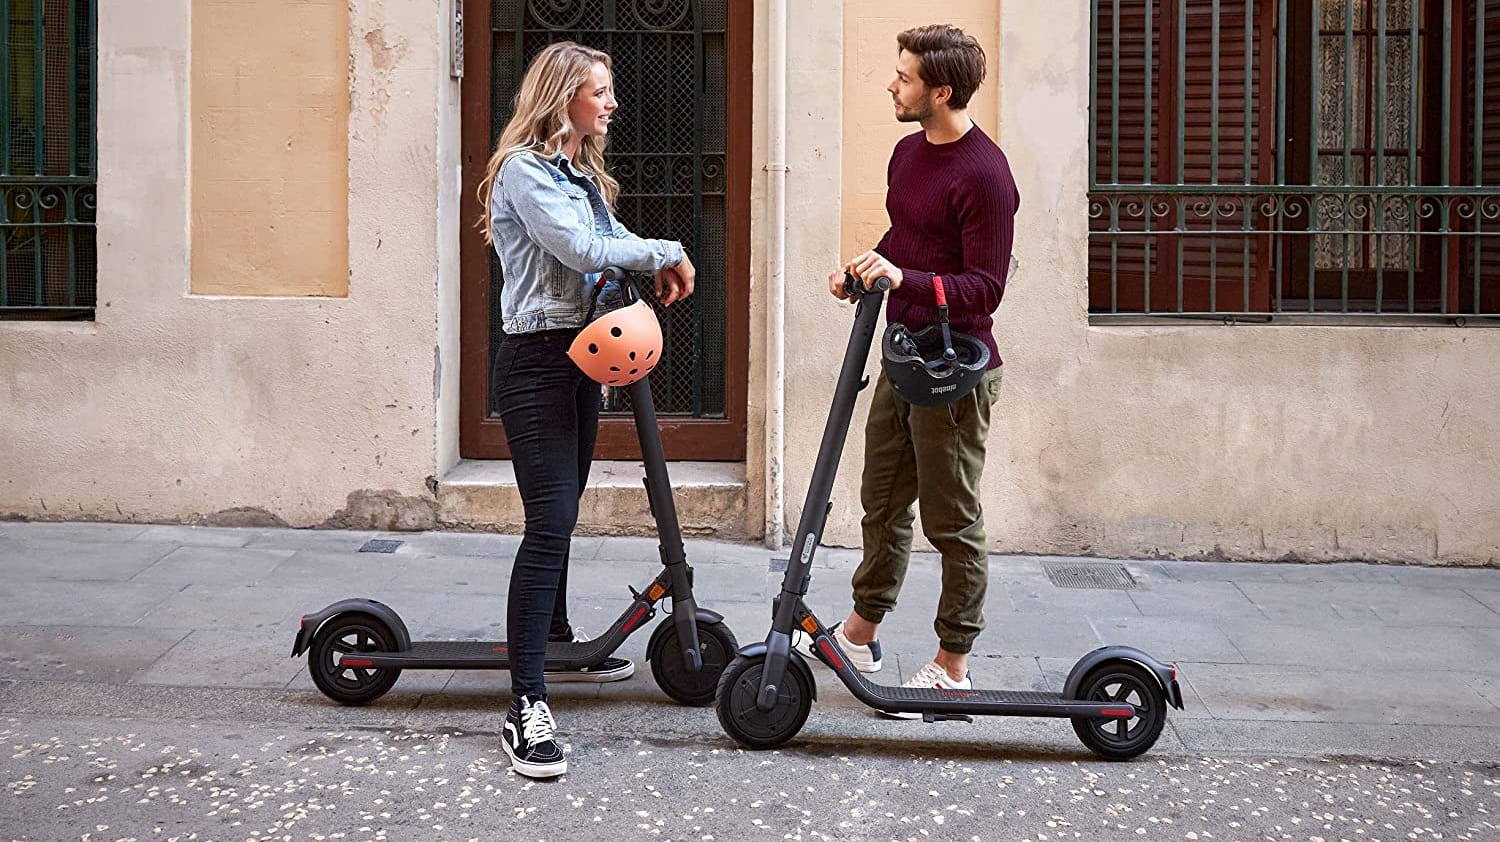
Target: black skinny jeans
551,415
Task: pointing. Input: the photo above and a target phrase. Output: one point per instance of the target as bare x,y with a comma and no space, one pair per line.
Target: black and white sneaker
529,738
609,669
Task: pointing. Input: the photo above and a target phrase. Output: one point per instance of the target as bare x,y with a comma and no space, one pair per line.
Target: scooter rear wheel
1122,739
716,645
349,634
750,726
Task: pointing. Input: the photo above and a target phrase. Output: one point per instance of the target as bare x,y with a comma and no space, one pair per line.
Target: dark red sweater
952,208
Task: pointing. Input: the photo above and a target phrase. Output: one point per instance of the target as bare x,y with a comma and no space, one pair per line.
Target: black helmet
934,365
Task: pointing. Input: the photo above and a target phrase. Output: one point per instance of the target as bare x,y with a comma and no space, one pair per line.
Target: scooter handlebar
853,288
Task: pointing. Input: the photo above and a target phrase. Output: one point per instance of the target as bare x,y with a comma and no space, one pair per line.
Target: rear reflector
1121,712
356,663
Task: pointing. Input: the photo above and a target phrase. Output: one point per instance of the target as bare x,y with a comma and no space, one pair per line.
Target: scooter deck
472,655
990,702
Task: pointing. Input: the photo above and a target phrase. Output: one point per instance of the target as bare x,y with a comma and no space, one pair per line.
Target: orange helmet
620,347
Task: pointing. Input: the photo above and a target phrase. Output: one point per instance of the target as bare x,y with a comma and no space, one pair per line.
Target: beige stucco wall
1323,442
270,146
1320,442
173,406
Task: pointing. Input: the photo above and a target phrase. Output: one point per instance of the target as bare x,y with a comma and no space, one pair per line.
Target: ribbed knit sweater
952,208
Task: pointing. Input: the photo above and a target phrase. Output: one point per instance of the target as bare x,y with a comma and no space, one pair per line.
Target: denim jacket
554,235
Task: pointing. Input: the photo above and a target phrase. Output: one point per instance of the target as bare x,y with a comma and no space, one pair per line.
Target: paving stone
216,565
81,653
34,559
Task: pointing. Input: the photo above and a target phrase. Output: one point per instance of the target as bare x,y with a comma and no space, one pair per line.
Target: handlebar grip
612,273
854,287
937,286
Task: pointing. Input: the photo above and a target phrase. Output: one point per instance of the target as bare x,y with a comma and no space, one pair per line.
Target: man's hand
836,284
676,283
871,265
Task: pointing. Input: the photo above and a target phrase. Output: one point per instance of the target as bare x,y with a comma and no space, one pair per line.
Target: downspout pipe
776,169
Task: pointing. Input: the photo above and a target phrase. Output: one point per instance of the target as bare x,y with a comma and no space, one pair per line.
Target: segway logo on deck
807,548
958,694
938,390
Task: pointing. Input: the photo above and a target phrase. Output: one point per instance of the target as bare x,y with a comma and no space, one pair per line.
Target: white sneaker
865,657
931,676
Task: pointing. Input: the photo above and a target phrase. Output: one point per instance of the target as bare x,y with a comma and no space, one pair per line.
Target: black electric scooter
357,648
1115,696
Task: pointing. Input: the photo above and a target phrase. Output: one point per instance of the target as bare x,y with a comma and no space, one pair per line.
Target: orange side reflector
810,625
656,591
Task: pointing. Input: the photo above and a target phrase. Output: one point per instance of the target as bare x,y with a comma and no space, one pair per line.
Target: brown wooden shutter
1196,68
1220,260
1124,162
1461,283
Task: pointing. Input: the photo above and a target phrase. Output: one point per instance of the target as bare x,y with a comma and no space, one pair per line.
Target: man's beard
917,114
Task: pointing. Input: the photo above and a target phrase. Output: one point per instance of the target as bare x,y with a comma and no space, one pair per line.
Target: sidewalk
1286,659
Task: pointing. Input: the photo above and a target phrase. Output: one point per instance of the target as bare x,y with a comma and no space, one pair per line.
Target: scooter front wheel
750,726
716,645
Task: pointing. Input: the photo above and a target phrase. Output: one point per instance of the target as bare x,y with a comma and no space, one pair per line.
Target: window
47,159
1328,158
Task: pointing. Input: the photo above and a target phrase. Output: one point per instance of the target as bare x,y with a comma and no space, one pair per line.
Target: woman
549,220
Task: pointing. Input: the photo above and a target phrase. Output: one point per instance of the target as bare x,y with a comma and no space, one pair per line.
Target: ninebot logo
807,548
938,390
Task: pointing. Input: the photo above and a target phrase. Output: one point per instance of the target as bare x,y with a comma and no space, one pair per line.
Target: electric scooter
357,648
1116,696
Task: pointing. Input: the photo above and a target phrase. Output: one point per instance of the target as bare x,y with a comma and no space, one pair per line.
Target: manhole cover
1103,577
379,545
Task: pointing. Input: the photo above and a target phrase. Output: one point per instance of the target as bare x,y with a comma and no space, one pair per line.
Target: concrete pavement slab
197,536
80,603
1169,638
81,653
1310,694
82,531
222,657
219,565
1371,647
52,558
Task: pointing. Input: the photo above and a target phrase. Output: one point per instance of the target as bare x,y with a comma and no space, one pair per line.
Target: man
952,202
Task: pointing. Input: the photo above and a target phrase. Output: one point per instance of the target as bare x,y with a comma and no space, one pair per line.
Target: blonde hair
540,124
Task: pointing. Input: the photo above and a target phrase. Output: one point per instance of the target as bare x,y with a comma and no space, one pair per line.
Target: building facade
1254,263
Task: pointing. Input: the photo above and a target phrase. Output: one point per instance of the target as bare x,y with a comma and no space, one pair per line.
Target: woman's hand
676,283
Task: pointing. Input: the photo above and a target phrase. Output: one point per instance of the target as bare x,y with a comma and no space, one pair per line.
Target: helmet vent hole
616,332
649,355
632,356
593,349
614,368
633,371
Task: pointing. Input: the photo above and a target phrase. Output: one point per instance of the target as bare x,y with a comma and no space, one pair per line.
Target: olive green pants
933,456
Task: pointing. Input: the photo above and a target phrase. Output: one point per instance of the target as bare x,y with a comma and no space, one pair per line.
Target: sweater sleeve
986,213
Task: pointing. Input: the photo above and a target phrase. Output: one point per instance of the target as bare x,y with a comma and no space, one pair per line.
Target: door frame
698,439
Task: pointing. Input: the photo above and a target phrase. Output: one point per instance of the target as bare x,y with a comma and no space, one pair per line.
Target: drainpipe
776,169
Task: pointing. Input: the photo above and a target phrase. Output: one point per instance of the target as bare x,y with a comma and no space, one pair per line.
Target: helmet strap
949,354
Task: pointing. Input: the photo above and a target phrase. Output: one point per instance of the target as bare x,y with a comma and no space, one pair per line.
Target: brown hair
946,56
